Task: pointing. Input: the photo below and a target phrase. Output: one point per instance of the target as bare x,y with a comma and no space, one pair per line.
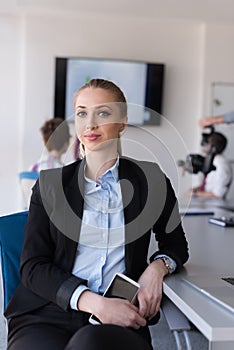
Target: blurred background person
56,137
219,119
217,182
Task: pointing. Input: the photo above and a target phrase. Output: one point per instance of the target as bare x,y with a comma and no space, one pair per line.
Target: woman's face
97,118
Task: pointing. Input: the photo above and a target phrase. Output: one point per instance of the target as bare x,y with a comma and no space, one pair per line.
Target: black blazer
54,221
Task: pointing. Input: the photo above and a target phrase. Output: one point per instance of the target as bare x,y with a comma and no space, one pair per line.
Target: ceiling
198,10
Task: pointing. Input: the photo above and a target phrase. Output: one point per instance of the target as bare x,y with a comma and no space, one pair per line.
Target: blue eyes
102,114
81,114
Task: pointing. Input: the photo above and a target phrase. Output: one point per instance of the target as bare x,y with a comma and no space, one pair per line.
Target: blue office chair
27,180
11,239
32,175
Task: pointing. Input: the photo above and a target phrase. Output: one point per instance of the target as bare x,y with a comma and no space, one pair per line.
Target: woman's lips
91,137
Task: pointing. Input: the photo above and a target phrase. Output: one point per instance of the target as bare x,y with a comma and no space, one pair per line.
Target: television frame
153,90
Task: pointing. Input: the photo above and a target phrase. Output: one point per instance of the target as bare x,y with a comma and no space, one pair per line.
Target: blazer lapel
131,196
74,201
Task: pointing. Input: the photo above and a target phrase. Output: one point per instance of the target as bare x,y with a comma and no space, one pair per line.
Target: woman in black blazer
107,196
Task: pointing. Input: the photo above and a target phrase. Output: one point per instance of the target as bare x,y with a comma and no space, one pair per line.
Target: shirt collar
111,172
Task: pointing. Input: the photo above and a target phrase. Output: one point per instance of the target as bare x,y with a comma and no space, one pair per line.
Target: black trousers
51,328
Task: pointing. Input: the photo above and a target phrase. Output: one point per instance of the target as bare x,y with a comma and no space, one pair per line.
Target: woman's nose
91,127
91,123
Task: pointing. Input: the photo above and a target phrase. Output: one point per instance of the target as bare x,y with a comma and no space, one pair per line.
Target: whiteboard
222,98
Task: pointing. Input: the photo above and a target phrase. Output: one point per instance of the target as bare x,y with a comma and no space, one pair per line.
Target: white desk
207,203
211,251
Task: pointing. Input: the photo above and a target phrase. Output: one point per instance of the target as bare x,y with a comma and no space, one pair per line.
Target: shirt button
102,259
97,281
105,186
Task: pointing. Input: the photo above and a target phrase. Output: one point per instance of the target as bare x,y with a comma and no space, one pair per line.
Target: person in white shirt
217,182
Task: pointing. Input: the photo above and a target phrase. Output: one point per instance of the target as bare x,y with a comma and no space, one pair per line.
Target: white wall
185,47
219,58
10,41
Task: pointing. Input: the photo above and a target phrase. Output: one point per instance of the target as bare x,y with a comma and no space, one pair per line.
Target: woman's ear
123,125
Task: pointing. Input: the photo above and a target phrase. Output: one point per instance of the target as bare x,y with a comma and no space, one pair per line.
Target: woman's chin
104,146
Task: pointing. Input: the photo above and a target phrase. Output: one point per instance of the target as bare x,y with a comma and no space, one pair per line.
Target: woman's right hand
120,312
111,310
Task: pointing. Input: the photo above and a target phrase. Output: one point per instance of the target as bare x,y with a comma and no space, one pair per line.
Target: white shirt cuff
75,296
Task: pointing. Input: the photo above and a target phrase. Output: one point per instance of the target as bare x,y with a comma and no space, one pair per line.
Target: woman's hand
111,310
123,313
150,292
120,312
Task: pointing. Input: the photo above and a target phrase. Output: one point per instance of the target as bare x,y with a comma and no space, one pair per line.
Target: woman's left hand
150,292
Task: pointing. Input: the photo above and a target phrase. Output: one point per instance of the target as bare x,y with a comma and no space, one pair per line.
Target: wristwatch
167,262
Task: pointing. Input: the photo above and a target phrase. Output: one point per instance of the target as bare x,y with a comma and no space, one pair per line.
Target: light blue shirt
101,248
229,117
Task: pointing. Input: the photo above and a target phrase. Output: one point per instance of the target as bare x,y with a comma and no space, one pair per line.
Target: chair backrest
11,239
27,180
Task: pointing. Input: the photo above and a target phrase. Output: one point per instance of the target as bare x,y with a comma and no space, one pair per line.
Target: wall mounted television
141,82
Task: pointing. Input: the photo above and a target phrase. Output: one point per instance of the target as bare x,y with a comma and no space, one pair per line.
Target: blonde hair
119,97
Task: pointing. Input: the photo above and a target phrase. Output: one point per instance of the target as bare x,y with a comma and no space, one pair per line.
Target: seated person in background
219,119
56,143
217,182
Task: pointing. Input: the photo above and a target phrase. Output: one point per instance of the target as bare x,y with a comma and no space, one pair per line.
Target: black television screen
141,82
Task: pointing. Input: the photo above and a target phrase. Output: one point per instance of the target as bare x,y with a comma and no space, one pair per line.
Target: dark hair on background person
219,141
56,137
55,141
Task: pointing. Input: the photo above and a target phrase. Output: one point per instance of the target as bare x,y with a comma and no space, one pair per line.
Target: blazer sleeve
169,231
40,269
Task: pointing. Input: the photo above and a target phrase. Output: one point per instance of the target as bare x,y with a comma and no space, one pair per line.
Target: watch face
168,265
